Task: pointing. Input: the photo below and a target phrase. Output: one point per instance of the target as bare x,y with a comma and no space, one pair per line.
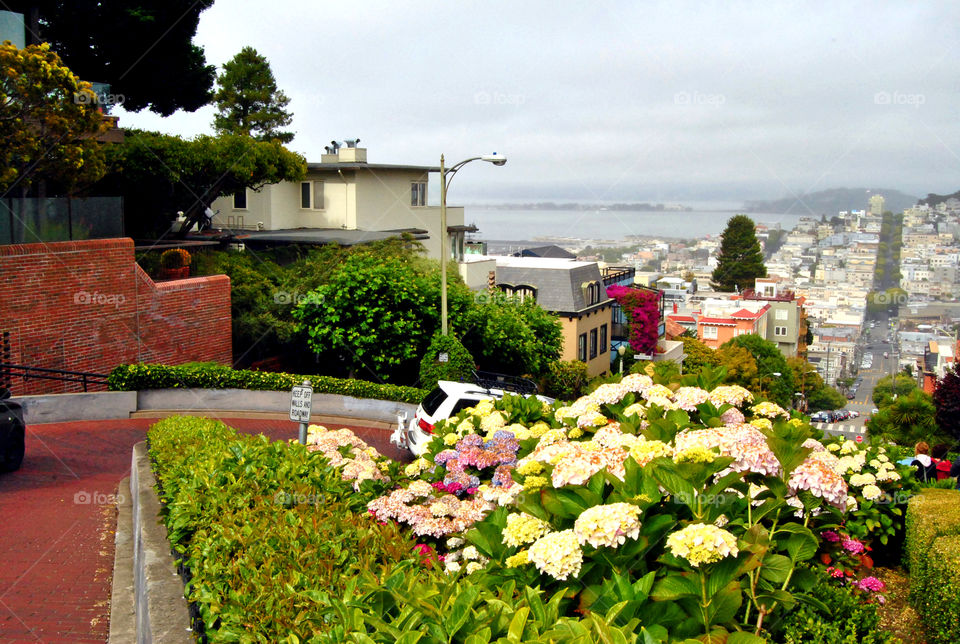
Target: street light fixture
495,159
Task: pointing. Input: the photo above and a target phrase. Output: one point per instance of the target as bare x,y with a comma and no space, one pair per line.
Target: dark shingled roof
559,283
545,251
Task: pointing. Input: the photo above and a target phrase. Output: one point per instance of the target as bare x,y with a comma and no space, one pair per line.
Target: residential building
876,204
574,291
718,324
343,199
786,321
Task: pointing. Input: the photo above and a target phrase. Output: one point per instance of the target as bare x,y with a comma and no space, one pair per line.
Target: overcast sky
628,101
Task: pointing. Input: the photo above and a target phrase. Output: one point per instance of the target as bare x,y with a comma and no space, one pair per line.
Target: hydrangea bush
692,507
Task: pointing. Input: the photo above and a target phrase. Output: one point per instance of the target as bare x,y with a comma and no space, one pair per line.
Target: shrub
458,366
566,379
933,548
268,531
850,620
175,258
135,377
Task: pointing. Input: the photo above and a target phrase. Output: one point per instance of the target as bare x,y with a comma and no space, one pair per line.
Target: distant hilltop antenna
352,143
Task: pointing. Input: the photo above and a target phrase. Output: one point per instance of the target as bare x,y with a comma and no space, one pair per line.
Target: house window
780,330
305,194
523,293
240,199
318,195
709,333
418,193
603,339
593,344
782,314
582,347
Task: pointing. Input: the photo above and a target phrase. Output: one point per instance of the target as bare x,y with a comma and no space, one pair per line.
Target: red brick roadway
57,524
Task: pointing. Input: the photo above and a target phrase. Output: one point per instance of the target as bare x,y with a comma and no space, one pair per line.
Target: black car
12,431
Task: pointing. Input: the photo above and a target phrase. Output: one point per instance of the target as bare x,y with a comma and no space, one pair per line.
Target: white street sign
300,401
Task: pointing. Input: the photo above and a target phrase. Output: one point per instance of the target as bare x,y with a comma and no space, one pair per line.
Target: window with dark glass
418,193
582,347
240,198
593,344
603,339
305,194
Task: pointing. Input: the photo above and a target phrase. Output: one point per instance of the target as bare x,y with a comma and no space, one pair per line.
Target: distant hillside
830,202
933,200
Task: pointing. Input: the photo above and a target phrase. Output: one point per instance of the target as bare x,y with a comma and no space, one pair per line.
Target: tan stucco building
345,194
573,290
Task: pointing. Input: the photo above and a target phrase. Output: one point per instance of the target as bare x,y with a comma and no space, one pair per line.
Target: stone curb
123,615
274,405
160,610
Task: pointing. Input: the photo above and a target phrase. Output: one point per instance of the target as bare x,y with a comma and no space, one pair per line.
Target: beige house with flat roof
348,198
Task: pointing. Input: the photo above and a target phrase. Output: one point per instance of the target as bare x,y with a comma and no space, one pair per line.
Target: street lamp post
775,374
495,159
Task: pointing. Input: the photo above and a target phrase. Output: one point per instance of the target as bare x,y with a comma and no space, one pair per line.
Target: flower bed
665,498
642,512
135,377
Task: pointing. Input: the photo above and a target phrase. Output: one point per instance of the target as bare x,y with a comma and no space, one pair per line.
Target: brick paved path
57,523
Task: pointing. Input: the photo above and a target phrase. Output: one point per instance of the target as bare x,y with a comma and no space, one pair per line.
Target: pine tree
740,260
248,101
946,397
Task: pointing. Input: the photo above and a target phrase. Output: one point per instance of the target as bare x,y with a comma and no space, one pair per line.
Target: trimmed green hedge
933,548
270,534
135,377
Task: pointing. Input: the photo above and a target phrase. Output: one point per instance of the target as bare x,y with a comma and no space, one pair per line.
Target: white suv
449,399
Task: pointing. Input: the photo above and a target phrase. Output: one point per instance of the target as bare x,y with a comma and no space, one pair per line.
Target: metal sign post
301,398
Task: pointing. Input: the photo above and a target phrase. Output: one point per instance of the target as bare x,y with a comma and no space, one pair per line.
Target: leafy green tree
698,355
48,122
377,314
158,174
142,48
740,258
769,361
740,365
886,387
946,397
458,365
509,336
248,101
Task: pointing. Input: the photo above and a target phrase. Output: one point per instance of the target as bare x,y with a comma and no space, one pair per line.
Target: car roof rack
516,384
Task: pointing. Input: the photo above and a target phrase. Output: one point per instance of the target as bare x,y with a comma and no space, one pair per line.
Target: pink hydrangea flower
830,535
871,584
852,546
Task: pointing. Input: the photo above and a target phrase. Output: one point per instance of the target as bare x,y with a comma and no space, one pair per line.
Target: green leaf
459,613
517,624
675,586
775,568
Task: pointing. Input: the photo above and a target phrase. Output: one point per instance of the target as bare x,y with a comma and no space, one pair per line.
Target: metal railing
10,371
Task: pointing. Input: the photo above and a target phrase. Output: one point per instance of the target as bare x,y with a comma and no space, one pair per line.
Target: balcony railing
783,296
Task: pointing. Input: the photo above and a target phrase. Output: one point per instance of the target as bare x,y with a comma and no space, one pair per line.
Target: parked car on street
450,398
12,433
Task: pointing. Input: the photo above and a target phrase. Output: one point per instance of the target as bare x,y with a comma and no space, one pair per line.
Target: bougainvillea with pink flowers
641,308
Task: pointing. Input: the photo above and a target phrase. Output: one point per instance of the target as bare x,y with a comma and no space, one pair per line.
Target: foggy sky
602,101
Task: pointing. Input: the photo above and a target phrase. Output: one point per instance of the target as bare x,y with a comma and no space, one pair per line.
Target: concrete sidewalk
58,521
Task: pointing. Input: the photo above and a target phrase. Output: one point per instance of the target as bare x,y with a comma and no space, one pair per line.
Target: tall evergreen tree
248,101
946,397
740,260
